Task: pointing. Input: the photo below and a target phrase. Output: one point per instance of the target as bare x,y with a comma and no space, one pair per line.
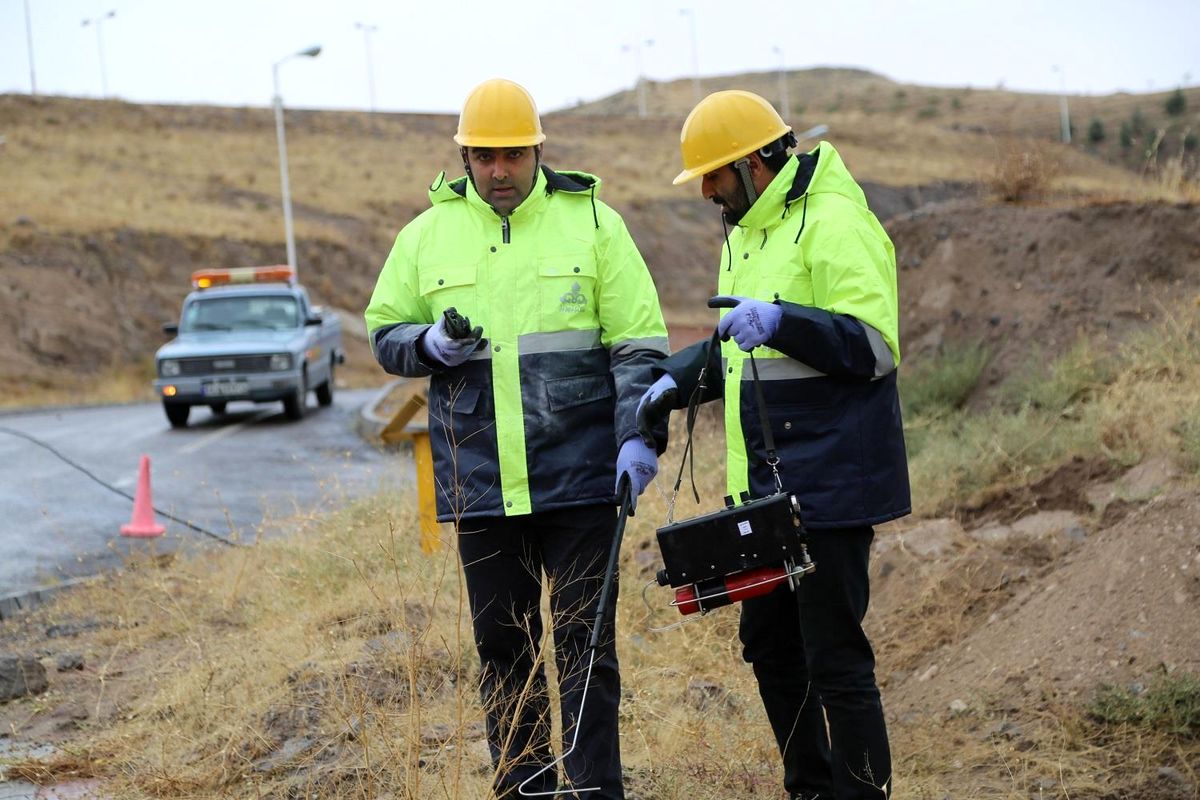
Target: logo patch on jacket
573,301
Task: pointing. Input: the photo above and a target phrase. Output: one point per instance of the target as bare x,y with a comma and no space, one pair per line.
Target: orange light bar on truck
205,278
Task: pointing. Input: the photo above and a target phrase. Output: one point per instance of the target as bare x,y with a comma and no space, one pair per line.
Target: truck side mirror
171,328
312,320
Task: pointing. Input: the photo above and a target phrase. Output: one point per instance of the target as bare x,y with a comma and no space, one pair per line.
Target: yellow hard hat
499,113
722,128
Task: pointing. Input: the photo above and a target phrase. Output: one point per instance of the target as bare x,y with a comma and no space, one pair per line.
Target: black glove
656,405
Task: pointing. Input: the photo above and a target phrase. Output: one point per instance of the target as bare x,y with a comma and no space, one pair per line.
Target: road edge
368,424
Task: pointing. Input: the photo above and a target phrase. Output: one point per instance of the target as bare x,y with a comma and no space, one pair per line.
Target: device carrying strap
693,410
765,421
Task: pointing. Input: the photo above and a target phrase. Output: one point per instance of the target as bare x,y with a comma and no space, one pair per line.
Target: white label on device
744,527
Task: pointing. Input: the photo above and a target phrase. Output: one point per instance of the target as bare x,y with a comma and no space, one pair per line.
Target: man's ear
759,173
757,165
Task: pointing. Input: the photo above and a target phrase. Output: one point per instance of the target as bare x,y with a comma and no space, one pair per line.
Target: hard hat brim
502,141
704,169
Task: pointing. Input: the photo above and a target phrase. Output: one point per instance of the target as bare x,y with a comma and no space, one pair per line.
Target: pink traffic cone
142,523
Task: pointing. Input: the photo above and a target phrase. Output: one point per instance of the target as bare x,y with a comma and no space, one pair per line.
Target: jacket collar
806,173
545,184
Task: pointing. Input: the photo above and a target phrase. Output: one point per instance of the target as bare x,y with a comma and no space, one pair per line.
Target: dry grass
1125,408
117,384
247,673
1024,171
86,166
1053,751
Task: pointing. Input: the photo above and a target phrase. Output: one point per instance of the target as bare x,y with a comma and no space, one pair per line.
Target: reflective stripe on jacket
811,244
573,325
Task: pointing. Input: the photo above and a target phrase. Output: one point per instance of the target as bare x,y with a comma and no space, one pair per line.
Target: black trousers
504,559
815,666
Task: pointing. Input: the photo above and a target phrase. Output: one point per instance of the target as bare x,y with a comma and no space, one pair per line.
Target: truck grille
210,366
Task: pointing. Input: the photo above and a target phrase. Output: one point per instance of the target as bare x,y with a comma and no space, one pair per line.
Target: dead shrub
1024,170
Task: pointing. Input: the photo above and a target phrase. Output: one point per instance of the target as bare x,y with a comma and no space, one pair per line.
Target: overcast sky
428,54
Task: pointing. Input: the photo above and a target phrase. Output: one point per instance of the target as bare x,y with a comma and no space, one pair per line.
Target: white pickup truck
247,333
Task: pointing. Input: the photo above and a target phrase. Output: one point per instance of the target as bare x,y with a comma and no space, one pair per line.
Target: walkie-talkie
458,326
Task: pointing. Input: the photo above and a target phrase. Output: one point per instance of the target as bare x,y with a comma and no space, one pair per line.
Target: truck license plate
225,388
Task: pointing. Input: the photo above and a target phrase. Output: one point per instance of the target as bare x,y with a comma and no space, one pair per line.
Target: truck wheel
177,414
293,404
325,390
217,408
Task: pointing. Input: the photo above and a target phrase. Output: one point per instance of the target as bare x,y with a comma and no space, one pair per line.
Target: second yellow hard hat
722,128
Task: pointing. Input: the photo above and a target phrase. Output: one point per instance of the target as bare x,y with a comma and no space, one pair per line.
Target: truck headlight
281,361
168,369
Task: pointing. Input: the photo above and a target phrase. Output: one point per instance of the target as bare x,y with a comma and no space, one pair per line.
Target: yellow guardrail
403,427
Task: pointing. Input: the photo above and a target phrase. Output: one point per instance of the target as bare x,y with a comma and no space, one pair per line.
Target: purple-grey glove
750,322
640,463
440,348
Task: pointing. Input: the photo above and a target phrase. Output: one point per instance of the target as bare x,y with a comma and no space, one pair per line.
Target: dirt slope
1029,280
1053,603
1020,279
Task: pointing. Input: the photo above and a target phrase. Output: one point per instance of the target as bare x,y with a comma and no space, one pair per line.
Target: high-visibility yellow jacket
810,243
532,421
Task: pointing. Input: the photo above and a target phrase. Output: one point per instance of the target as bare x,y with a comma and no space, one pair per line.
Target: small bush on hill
1126,136
1137,122
944,383
1176,104
1074,377
1188,431
1170,705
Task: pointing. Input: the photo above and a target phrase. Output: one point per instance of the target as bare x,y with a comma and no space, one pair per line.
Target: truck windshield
263,312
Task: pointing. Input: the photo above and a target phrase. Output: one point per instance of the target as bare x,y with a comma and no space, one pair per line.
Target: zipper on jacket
504,229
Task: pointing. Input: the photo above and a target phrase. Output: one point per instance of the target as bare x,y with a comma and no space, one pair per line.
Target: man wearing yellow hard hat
523,298
807,279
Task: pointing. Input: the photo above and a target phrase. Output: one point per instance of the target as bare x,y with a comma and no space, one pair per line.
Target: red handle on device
734,588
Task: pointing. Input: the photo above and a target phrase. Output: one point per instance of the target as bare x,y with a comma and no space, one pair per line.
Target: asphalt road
235,475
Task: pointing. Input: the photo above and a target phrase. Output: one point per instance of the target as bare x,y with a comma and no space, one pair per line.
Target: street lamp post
367,31
690,13
29,37
636,49
1064,114
784,106
98,22
311,52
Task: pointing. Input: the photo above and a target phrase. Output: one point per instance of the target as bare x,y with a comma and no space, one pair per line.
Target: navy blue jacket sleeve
837,345
397,349
685,366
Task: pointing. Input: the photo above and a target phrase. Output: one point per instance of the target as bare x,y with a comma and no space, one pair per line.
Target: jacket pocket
567,290
462,400
450,284
792,287
564,393
802,419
